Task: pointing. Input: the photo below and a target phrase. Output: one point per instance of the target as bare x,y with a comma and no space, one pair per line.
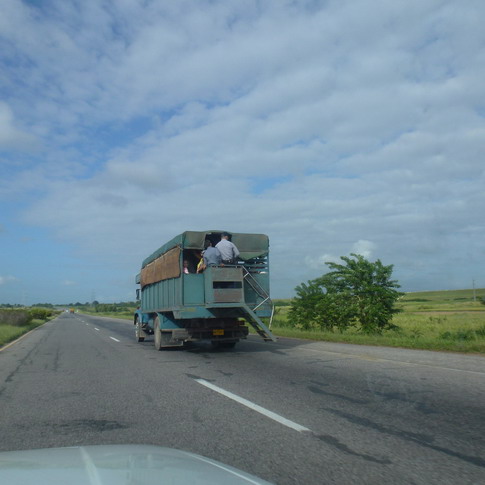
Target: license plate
218,331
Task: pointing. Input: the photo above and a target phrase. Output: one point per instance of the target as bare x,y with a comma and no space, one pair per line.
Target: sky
334,127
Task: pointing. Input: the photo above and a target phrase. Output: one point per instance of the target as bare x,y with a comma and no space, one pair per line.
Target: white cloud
320,262
364,248
10,136
68,283
334,127
4,280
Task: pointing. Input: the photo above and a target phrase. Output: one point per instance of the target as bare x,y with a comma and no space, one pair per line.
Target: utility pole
474,292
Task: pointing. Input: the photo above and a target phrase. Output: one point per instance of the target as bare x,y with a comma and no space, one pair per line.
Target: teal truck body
215,305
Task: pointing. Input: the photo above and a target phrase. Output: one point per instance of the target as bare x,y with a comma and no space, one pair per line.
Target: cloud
68,283
4,280
319,262
10,136
361,129
364,248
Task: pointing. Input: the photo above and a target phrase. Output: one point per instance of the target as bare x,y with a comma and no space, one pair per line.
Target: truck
178,305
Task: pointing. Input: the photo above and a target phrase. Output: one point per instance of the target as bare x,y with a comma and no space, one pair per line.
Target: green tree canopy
357,293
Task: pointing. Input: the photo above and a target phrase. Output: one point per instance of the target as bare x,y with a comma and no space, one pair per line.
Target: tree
315,308
358,292
304,312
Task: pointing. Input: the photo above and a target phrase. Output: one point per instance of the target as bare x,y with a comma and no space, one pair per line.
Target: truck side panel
193,285
161,296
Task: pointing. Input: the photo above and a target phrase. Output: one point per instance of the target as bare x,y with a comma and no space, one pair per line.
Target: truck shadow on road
244,347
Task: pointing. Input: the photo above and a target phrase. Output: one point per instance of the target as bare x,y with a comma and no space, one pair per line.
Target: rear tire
157,334
139,333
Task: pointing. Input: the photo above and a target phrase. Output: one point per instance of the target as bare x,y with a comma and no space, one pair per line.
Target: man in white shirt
228,250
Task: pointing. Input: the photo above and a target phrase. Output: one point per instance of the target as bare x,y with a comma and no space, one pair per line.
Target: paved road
290,412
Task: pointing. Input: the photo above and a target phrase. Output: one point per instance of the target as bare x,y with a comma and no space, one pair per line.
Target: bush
359,293
480,331
459,335
15,318
40,313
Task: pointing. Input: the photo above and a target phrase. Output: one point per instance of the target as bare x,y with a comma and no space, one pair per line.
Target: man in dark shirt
212,256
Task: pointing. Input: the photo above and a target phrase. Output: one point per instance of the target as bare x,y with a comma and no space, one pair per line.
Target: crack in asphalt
332,441
421,439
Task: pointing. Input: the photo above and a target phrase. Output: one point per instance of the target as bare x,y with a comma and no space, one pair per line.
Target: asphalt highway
291,412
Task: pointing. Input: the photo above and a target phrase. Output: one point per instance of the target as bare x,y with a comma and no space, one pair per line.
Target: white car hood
116,464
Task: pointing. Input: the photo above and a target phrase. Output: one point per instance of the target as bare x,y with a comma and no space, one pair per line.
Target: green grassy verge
435,320
456,300
8,333
15,322
455,332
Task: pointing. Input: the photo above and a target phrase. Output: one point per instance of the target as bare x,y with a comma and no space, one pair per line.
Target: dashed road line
115,339
254,407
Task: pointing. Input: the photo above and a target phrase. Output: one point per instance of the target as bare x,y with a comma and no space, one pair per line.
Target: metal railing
260,291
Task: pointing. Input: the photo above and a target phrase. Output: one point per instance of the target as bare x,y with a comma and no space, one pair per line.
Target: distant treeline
96,303
115,307
95,306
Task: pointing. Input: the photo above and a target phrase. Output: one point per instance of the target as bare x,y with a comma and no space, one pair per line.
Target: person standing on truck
228,250
212,256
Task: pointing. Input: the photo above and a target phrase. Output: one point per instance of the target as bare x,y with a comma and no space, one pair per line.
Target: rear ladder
253,318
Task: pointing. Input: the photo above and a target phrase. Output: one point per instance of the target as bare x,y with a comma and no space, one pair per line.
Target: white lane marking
95,328
115,339
254,407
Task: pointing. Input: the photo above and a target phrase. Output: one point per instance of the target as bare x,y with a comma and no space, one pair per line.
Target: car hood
116,464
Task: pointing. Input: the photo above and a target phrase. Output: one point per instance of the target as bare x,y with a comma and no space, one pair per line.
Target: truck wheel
157,334
139,333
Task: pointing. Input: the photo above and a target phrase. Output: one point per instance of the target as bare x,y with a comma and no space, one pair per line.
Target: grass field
123,315
434,320
453,300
